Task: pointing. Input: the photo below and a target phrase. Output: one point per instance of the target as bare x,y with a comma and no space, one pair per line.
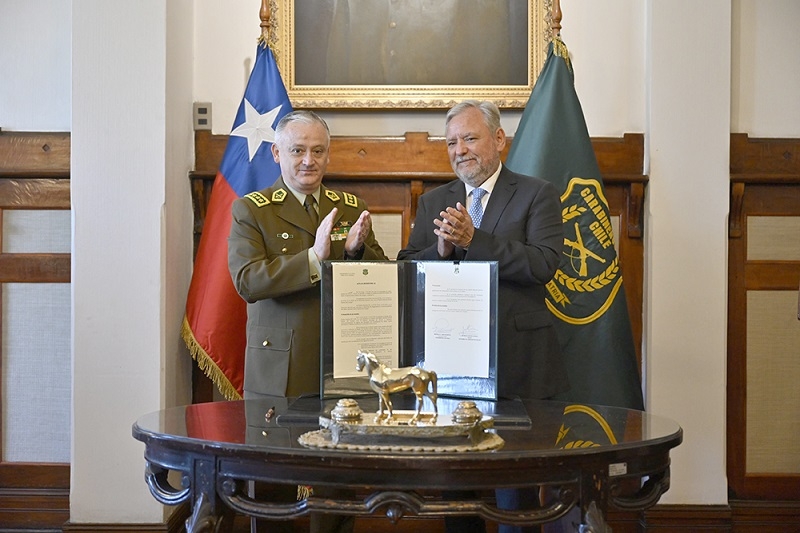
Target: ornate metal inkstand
348,427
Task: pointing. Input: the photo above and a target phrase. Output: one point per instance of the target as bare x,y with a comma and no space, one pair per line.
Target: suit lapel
456,193
502,193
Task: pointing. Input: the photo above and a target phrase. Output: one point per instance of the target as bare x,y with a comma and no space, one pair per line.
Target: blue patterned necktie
476,209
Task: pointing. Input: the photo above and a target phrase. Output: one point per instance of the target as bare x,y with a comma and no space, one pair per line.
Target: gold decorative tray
347,428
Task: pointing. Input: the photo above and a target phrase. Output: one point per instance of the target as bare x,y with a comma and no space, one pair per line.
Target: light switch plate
202,115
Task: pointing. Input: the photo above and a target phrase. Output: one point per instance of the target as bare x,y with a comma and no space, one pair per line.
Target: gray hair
491,115
304,116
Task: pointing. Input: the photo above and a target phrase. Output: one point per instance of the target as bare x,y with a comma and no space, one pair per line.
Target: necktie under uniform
476,209
311,209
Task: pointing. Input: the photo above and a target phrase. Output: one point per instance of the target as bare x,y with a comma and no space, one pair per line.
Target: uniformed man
278,238
274,253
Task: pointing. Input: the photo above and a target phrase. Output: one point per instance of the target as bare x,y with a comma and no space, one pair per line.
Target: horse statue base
349,428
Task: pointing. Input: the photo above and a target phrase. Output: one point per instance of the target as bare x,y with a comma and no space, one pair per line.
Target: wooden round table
581,455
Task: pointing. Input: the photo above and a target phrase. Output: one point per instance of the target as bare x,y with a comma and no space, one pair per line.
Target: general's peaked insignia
279,196
257,198
350,199
589,277
332,195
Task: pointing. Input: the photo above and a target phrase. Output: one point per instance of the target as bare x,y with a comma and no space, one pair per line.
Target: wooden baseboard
33,509
688,518
174,524
70,527
760,516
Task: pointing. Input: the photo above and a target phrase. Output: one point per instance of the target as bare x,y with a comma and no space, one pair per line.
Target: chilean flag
214,327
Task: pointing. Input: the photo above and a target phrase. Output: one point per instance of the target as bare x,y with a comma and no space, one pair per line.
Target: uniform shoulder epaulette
257,198
332,195
279,196
350,199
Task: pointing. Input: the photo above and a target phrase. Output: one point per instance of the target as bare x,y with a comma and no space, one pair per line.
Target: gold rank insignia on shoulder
350,199
257,198
279,196
332,195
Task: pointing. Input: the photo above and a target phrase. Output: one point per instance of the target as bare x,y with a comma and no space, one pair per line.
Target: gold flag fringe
207,365
560,49
265,41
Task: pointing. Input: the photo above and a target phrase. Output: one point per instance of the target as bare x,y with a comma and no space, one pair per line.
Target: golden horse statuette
385,381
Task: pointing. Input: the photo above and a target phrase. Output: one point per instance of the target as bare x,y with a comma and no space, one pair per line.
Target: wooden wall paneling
37,153
736,414
422,154
777,158
29,192
765,181
34,174
21,190
34,268
625,195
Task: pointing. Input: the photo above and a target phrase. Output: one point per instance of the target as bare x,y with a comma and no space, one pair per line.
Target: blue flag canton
248,164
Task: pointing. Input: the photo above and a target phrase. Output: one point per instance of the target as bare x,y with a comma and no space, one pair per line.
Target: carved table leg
209,514
595,488
202,521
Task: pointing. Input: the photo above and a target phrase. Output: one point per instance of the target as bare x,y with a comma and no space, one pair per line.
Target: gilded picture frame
354,55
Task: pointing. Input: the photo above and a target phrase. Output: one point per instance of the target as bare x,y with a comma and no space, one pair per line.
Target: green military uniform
270,236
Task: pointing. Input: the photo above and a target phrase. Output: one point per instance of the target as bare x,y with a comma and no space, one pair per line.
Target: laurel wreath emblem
582,199
590,284
571,212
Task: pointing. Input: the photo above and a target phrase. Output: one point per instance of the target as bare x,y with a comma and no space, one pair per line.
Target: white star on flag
256,128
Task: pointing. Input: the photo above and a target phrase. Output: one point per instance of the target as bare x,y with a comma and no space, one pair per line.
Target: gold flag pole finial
265,14
556,24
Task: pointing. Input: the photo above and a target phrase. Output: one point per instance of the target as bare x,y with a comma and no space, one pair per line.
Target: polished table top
560,444
529,427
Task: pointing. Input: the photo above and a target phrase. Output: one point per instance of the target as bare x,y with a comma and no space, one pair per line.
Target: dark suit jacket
268,261
521,229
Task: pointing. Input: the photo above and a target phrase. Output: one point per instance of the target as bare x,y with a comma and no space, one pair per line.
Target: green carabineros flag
586,296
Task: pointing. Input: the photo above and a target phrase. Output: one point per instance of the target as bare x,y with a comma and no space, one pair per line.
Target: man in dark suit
278,238
517,222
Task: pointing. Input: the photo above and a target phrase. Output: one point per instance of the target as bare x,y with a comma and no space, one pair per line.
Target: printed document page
365,315
457,318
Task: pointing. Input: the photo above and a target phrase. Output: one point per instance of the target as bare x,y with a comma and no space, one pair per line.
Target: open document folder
438,315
